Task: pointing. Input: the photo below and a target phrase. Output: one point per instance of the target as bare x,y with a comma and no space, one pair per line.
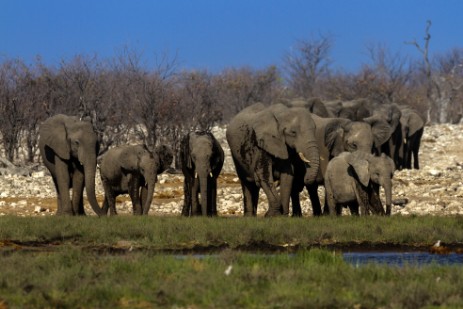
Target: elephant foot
273,214
388,210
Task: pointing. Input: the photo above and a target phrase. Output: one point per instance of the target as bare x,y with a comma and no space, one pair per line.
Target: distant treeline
125,99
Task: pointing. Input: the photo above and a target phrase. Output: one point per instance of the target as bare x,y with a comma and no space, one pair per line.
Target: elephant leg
144,197
77,193
105,205
188,194
134,192
213,190
353,207
274,202
296,203
286,184
59,208
63,183
250,198
109,199
416,147
195,204
329,198
314,199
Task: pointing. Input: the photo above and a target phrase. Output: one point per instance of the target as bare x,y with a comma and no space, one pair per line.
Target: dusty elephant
313,105
202,159
412,130
132,169
335,135
353,179
69,148
264,142
391,114
355,110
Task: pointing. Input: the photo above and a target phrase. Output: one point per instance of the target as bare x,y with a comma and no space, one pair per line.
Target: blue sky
216,34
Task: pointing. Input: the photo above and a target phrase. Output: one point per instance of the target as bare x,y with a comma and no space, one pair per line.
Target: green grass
175,232
73,263
71,278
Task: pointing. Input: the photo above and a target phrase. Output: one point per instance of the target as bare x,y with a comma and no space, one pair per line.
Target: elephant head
371,170
279,128
390,113
75,143
313,105
165,157
140,161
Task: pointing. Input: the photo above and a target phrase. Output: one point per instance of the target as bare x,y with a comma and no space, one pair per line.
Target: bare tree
306,63
239,88
440,88
13,74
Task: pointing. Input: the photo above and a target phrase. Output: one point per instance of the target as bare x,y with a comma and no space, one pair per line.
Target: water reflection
402,258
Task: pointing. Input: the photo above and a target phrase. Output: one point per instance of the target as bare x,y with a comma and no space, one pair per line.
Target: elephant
313,105
355,110
353,179
264,142
390,113
202,159
132,169
69,149
336,135
412,130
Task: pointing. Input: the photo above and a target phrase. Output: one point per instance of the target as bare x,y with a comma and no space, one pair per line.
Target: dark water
402,258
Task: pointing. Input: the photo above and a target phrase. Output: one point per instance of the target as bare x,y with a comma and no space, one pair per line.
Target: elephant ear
218,157
268,136
361,168
334,135
165,157
415,123
381,132
54,134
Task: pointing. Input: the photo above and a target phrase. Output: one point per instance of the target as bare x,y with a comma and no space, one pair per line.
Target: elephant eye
292,132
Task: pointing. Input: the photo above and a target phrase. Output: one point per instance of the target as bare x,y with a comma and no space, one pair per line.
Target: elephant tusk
210,174
196,175
405,140
303,158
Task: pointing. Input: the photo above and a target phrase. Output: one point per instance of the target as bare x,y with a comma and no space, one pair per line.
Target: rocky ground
437,188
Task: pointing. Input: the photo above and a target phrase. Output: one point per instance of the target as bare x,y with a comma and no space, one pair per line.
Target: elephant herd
351,148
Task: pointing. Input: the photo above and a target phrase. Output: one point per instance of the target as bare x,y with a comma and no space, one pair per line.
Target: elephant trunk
90,171
204,190
309,153
149,196
388,193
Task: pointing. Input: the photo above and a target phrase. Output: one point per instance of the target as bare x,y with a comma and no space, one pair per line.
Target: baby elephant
202,159
132,169
353,179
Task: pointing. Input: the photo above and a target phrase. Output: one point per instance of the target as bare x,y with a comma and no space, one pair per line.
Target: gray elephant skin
314,105
412,130
132,169
69,149
264,143
202,160
336,135
353,179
